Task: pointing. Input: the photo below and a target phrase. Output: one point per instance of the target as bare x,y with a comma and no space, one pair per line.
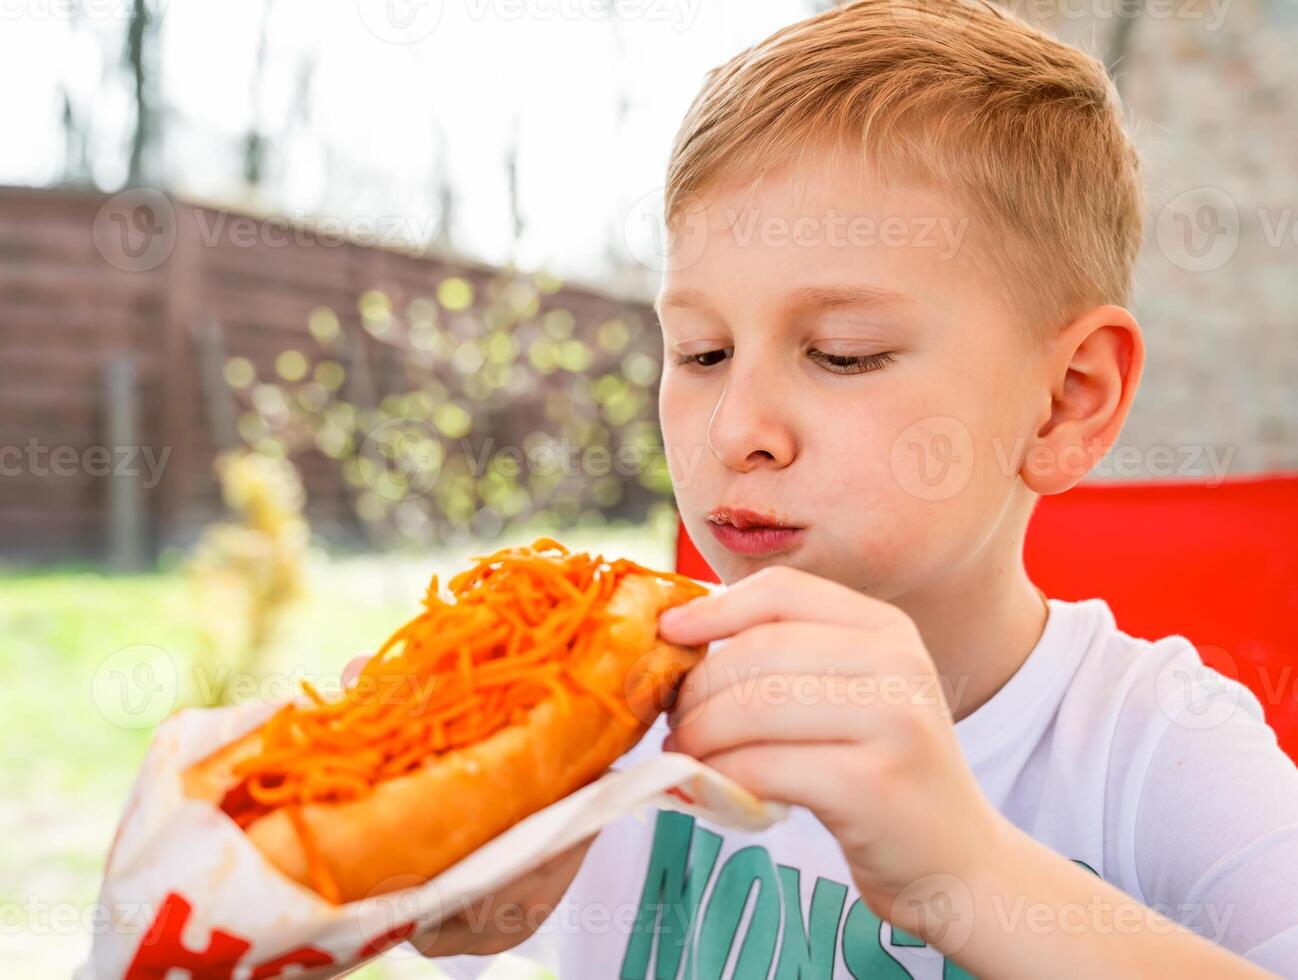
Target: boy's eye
837,363
851,364
704,358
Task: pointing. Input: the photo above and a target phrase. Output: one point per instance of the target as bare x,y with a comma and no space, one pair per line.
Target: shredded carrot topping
505,639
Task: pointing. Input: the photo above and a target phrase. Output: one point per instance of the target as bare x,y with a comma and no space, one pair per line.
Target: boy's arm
1027,912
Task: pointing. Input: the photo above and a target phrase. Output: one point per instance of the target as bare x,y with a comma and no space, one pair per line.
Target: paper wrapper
185,889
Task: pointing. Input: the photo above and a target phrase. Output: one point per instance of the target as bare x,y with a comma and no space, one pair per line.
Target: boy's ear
1094,367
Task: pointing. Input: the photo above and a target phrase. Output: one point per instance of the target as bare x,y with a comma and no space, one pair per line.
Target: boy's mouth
747,532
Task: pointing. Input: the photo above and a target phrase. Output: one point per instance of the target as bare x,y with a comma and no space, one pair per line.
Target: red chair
1217,564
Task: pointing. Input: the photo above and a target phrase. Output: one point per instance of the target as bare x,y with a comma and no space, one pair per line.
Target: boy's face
853,373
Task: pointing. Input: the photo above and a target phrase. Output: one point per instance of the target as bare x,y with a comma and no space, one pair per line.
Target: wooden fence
101,293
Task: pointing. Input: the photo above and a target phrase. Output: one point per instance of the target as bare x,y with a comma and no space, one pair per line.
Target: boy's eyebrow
686,299
802,299
816,298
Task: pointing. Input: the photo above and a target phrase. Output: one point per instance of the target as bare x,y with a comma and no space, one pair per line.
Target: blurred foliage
471,410
247,573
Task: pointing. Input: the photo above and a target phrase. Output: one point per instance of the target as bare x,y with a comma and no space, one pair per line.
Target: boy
903,234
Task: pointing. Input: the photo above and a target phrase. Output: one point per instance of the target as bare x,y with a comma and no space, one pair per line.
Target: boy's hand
505,918
823,697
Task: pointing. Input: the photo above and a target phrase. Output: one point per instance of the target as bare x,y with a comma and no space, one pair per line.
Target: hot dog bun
412,827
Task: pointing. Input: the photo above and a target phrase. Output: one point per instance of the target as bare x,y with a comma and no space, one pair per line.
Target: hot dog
538,670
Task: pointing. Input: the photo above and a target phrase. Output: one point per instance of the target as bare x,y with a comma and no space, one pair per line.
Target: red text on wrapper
162,949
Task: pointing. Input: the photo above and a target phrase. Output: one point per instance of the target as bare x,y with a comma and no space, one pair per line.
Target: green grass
71,749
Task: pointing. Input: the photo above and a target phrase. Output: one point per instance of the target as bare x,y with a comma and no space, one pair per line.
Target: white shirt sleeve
1216,832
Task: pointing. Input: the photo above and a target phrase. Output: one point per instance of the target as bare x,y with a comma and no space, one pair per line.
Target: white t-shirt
1125,755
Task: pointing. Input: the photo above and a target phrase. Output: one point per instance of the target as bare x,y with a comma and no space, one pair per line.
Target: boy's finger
778,592
808,657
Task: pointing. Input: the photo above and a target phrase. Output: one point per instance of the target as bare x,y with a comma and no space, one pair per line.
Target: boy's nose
748,427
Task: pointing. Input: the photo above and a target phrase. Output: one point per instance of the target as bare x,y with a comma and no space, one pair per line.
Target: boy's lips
747,532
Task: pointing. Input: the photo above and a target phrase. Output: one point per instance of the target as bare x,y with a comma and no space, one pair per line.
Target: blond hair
1024,130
